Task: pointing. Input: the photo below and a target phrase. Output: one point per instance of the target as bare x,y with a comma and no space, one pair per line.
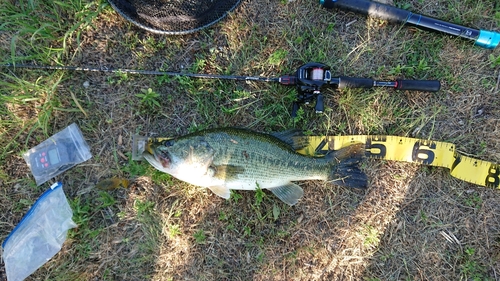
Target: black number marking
319,149
376,150
423,155
492,179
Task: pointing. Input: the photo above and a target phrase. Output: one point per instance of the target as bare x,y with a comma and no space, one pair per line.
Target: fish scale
288,168
284,163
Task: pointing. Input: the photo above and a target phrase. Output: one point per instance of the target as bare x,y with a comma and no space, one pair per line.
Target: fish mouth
160,156
164,158
160,162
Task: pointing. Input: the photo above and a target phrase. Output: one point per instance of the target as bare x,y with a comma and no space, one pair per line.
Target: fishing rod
482,38
142,72
310,80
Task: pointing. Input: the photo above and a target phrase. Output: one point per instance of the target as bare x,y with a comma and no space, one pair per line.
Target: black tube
353,82
410,85
391,13
418,85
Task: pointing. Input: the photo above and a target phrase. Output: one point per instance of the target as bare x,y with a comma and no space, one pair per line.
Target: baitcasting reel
311,78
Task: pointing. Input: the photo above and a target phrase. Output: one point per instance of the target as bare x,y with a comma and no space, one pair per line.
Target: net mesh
173,16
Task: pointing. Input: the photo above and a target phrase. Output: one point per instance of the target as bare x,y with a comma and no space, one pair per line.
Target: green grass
44,29
200,236
470,268
161,228
41,31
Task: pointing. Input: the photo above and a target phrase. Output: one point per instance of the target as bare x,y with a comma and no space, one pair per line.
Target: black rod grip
418,85
371,8
354,82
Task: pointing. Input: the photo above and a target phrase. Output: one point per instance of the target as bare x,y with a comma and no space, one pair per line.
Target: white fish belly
252,185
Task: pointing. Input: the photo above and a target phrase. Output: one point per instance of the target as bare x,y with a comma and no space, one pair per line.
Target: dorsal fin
292,138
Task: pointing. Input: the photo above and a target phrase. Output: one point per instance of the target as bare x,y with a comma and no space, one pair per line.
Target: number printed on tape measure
492,179
376,150
425,152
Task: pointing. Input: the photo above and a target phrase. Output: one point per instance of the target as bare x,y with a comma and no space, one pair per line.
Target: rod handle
374,9
418,85
409,85
483,38
354,82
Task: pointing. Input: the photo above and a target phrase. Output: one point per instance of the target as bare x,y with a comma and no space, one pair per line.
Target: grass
162,229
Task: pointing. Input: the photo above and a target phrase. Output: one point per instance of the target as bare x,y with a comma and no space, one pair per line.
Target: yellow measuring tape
427,152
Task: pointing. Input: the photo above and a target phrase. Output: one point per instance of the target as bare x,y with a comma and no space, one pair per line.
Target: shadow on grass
406,225
446,229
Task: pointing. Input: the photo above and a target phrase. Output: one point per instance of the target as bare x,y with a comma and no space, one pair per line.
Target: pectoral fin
225,172
289,193
221,191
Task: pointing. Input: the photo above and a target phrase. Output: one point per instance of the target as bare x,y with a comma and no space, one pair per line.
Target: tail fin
345,170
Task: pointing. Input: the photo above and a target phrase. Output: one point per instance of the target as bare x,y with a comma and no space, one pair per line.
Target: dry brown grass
412,223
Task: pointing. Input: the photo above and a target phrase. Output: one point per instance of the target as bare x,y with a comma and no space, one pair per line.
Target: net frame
179,16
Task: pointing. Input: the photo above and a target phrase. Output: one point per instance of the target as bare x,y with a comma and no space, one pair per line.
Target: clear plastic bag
39,235
138,146
57,154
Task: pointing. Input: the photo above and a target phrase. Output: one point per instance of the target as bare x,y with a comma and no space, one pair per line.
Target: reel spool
174,17
311,77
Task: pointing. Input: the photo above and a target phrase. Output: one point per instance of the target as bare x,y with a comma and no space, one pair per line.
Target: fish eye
168,143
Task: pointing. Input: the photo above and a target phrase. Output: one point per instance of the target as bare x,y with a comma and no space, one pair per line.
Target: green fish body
240,159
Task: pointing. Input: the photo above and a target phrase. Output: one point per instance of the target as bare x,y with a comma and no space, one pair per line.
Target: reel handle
320,105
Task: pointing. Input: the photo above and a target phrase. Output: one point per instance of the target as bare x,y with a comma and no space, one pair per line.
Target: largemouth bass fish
240,159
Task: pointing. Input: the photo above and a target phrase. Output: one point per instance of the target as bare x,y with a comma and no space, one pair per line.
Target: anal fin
289,193
221,191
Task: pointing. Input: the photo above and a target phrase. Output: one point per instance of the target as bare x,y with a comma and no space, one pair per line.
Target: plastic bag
57,154
39,235
138,146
